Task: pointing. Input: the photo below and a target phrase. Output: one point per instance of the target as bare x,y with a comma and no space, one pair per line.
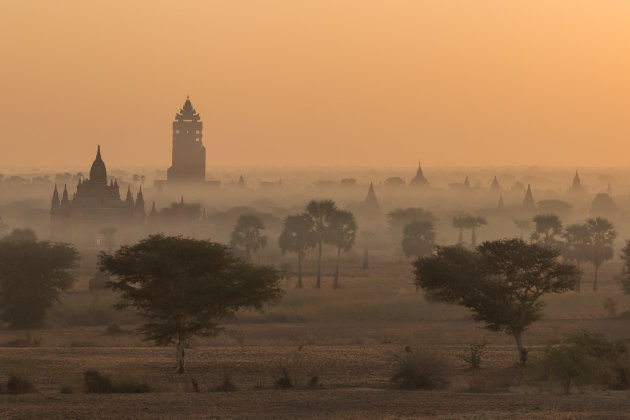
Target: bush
97,383
19,385
66,389
420,369
226,385
474,355
585,357
113,329
284,381
569,364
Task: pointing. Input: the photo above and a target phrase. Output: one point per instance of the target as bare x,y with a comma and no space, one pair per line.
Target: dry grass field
336,346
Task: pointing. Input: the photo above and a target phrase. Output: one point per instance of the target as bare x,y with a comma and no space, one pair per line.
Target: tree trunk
595,278
318,284
473,237
460,239
365,259
578,284
299,283
522,351
336,282
181,344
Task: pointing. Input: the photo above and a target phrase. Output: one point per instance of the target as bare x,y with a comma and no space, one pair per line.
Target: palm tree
297,236
367,235
247,234
342,233
459,223
418,239
601,237
320,212
548,226
577,237
472,223
523,225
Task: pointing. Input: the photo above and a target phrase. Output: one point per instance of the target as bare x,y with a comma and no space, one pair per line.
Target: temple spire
528,201
495,184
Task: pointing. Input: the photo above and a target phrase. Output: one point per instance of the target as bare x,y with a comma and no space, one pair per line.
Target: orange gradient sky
318,82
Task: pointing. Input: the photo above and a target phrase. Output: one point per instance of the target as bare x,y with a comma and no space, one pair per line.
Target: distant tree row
321,223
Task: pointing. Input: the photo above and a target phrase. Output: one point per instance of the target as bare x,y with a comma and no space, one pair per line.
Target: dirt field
353,378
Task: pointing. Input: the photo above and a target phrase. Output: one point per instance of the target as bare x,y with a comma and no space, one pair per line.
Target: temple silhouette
95,203
189,153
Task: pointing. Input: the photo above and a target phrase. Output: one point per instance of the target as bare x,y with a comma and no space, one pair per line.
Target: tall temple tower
189,153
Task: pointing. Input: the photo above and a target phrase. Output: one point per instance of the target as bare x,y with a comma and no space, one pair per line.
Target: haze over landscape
314,209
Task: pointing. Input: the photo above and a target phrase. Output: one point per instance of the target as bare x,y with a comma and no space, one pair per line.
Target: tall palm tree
297,236
459,223
522,225
602,236
342,233
472,223
247,234
320,212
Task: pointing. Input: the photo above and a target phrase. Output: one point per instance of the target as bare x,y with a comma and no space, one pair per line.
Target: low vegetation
420,369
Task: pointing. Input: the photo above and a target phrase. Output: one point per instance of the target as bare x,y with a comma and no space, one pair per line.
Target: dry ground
354,378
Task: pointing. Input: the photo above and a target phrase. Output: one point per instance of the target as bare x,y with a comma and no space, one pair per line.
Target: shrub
589,358
284,381
113,329
419,369
226,385
474,355
314,381
66,389
19,385
569,364
97,383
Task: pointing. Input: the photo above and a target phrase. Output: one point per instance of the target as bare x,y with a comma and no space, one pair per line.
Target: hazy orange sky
318,82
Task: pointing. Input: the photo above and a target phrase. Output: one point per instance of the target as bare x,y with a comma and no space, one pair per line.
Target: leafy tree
320,212
33,274
247,234
523,225
548,227
418,239
500,281
625,274
399,218
577,237
601,238
297,236
186,287
342,233
472,223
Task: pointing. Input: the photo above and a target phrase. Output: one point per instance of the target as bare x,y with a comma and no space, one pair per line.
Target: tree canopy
297,236
33,274
247,234
418,239
185,287
500,281
320,212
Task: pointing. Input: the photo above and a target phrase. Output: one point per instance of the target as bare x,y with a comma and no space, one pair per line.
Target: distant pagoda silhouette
189,153
528,201
501,205
495,186
371,202
419,180
576,186
466,183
